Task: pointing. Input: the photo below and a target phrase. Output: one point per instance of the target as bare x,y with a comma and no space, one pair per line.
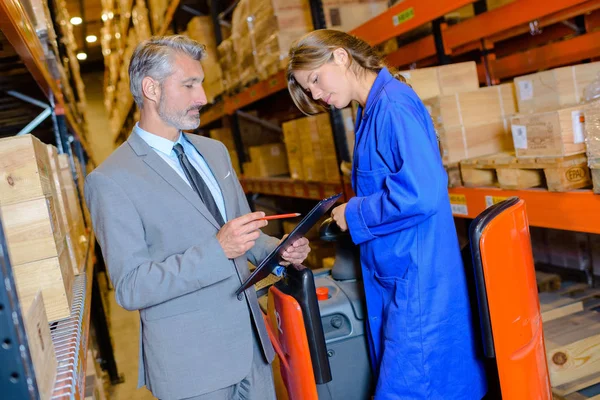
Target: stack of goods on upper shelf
517,135
311,149
548,135
69,69
202,30
262,32
40,17
158,8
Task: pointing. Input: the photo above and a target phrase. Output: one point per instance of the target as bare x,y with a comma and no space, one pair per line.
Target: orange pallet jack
504,297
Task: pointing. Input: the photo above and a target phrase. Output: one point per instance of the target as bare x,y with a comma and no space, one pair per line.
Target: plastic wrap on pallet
592,133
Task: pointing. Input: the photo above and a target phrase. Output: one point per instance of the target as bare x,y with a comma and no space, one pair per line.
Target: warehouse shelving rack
69,336
484,33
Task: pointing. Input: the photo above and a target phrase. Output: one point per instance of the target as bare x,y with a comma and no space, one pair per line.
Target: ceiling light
81,56
111,15
104,17
117,35
76,20
91,39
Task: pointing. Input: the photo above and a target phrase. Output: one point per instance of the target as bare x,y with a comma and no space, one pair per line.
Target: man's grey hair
153,58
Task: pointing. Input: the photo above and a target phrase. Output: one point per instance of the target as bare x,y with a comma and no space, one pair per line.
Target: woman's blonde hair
316,49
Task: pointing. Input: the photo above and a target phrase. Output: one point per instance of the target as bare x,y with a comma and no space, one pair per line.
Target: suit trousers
257,385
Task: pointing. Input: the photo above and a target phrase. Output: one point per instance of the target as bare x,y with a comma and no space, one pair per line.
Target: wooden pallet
572,338
453,171
547,282
557,174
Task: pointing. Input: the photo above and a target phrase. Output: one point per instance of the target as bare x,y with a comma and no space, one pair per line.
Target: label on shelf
578,120
491,200
519,134
459,204
313,192
404,16
525,90
275,152
288,189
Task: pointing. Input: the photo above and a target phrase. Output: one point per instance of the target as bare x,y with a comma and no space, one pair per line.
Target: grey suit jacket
159,242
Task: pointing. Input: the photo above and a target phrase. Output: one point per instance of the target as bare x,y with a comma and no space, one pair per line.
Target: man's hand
239,235
297,252
339,216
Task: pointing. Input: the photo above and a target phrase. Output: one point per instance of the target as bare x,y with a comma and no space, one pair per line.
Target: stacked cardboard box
33,225
443,80
266,161
592,141
229,66
554,89
202,30
344,15
474,123
262,33
551,120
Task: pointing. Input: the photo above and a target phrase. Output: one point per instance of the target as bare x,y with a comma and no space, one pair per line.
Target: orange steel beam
508,16
592,20
404,17
562,15
574,211
549,56
17,28
504,25
412,52
256,92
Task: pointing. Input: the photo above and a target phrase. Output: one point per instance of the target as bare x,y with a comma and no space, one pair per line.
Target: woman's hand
339,216
296,253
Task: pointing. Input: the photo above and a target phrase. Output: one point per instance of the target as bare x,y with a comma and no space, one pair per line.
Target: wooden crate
65,216
560,174
554,89
549,134
310,145
266,161
25,172
473,108
77,228
573,351
54,278
291,138
41,347
462,142
443,80
32,230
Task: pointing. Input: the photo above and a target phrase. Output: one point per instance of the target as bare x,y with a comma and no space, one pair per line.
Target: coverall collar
382,79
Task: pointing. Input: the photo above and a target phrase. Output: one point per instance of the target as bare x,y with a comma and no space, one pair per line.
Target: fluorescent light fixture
91,39
76,20
81,56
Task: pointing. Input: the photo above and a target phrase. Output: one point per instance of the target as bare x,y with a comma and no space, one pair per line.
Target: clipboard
274,258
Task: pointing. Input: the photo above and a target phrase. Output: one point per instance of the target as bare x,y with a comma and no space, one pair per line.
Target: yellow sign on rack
491,200
459,204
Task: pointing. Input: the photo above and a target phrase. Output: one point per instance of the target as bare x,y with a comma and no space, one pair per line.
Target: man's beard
178,119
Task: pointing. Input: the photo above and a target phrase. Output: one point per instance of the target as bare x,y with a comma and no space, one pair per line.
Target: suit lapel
214,161
163,169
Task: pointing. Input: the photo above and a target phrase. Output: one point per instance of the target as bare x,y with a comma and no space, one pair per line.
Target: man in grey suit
176,232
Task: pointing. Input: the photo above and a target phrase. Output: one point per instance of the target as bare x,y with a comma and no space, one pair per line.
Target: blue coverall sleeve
409,195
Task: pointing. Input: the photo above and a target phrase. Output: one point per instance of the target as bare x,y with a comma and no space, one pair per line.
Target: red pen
280,216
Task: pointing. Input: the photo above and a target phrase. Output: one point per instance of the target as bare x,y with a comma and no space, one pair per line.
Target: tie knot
178,148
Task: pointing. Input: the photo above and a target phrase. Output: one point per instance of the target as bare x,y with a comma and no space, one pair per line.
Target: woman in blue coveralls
421,335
